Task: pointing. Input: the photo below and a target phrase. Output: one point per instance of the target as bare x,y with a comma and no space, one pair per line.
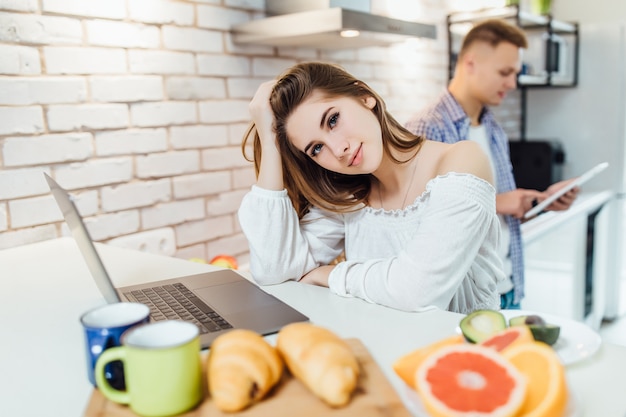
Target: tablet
577,182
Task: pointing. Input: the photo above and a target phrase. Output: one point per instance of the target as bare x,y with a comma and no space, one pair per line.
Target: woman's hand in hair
318,276
261,112
270,174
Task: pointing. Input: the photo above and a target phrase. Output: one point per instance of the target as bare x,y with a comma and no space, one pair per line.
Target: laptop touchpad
235,297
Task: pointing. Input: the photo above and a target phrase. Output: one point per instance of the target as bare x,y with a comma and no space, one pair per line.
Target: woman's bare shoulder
465,157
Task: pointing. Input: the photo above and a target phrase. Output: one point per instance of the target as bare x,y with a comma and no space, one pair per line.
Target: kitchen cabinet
567,258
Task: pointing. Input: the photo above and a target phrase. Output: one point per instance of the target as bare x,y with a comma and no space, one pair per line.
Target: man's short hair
493,32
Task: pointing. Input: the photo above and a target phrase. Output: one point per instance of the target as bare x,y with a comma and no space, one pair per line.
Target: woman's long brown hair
307,183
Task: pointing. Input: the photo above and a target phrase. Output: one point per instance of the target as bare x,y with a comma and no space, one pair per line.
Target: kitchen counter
567,252
584,205
46,287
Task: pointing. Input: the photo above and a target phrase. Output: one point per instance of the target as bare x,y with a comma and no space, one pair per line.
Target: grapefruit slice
547,387
466,380
508,338
407,365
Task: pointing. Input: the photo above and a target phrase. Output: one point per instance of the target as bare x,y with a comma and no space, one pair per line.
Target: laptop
215,301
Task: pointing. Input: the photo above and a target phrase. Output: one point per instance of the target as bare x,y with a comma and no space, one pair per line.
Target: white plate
576,342
416,407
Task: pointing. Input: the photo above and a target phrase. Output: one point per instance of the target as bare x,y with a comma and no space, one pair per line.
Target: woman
415,219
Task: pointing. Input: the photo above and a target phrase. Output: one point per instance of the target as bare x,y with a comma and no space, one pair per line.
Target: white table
46,287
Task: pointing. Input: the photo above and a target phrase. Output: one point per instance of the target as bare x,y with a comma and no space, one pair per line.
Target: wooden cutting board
374,397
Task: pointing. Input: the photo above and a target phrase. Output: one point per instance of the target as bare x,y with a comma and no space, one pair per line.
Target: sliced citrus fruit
469,380
509,337
406,366
547,388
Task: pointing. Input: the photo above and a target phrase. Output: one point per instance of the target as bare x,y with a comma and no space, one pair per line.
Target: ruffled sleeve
281,246
458,231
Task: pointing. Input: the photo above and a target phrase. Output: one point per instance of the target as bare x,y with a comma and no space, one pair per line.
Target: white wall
585,11
138,108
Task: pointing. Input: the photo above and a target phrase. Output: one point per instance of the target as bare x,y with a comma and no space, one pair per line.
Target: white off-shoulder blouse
439,252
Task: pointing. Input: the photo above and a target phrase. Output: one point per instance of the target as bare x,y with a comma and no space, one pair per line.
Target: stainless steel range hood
317,24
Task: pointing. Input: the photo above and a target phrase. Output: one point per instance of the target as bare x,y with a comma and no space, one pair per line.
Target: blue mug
103,328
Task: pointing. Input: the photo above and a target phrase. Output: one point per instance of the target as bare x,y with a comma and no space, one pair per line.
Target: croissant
322,361
242,368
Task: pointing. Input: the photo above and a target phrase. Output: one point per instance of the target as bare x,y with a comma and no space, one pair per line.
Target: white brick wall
172,213
212,17
24,28
221,158
236,132
135,194
246,4
108,33
87,202
19,91
199,136
270,67
79,60
19,5
138,107
111,225
87,116
27,235
111,9
225,203
224,111
17,183
163,113
243,178
204,184
131,141
126,89
161,11
22,60
47,149
18,120
160,62
223,65
33,211
167,164
234,245
195,88
192,232
160,241
192,252
4,221
243,87
190,39
94,172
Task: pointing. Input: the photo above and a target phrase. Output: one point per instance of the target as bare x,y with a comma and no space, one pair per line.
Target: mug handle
110,355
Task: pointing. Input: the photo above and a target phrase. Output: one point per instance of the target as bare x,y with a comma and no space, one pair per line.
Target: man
486,69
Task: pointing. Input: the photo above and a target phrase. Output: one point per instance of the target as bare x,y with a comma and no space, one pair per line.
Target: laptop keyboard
175,301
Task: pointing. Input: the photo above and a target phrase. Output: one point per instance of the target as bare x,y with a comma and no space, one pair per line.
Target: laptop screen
83,240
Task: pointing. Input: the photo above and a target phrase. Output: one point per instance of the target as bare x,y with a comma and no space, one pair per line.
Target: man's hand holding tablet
576,182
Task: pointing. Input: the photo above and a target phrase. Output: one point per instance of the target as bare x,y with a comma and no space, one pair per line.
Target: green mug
162,369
